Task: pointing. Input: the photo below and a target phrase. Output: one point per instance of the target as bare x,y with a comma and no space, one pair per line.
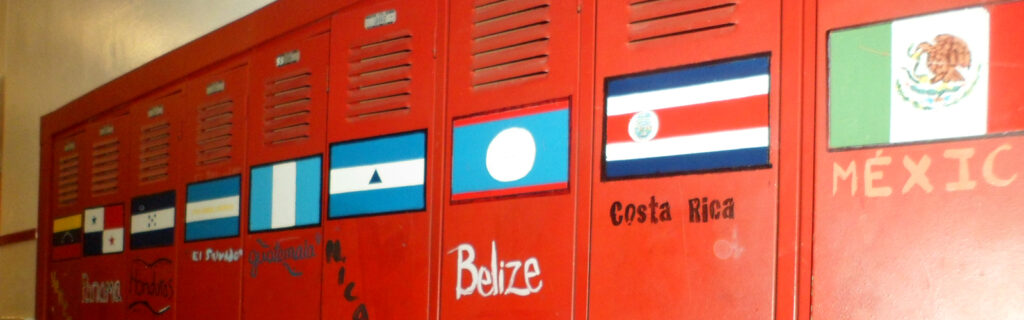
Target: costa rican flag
701,118
104,230
285,195
153,220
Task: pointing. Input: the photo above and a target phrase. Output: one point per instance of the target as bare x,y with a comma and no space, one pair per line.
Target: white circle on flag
643,126
511,154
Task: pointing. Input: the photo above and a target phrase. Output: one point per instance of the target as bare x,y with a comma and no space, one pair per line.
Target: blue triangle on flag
375,178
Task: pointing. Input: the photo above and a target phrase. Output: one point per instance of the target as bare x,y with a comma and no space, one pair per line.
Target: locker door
382,120
210,254
108,143
916,159
686,153
509,211
288,137
104,274
157,157
68,188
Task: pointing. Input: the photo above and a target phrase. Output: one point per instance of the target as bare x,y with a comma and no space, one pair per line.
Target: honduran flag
947,75
211,209
699,118
67,237
285,195
104,230
524,150
378,175
153,220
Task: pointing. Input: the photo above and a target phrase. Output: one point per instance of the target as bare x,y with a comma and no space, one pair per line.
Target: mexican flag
924,78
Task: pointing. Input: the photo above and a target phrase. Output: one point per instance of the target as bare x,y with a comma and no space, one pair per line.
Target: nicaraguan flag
153,220
285,195
212,209
707,117
378,175
67,237
511,152
104,230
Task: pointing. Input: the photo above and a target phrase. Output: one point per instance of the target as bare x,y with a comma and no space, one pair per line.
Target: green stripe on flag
859,80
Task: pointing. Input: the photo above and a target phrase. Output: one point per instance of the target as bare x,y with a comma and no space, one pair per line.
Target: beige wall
55,51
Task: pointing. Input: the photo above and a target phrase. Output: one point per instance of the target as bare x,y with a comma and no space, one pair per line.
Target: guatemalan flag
212,209
511,152
378,175
706,117
285,195
104,230
153,220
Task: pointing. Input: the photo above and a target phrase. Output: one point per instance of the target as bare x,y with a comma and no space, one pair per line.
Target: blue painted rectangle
213,189
211,229
377,201
690,76
738,158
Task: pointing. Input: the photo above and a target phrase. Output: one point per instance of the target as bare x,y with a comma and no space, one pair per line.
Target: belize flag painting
712,116
517,151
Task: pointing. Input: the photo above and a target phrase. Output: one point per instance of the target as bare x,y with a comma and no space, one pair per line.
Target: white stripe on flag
211,209
689,95
691,144
282,209
113,246
89,215
392,175
164,218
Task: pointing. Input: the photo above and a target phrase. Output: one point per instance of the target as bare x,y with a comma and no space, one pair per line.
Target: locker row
548,159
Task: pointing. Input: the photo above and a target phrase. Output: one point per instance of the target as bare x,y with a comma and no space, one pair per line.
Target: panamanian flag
211,209
378,175
699,118
524,150
945,75
67,237
285,195
104,230
153,220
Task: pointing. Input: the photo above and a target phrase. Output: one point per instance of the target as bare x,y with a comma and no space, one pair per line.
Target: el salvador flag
212,209
518,151
378,175
153,220
285,195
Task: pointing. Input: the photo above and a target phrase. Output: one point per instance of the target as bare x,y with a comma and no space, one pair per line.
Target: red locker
379,255
287,129
107,159
65,223
210,255
104,286
508,239
916,189
686,152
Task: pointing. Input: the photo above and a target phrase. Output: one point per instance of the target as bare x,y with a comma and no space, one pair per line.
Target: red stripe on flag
749,112
66,251
541,108
510,191
113,217
1005,97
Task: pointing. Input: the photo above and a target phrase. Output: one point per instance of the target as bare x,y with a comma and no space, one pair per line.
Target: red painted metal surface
384,58
941,251
103,286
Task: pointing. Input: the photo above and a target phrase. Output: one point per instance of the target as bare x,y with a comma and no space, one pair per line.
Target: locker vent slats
286,116
380,77
660,19
105,166
511,40
67,179
214,142
154,151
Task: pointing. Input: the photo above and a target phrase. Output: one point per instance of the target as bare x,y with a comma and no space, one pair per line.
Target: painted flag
699,118
153,220
285,195
67,237
518,151
104,230
378,175
926,78
212,207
